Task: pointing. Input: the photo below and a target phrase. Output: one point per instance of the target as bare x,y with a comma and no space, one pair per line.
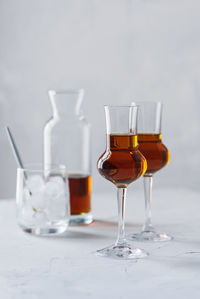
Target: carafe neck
66,103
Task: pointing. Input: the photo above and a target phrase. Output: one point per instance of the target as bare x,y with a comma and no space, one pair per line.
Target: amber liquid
80,193
121,163
155,152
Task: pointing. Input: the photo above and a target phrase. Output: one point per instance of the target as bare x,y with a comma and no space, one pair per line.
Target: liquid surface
155,152
121,163
80,193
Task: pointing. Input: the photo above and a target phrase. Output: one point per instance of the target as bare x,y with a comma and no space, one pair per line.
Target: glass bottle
67,141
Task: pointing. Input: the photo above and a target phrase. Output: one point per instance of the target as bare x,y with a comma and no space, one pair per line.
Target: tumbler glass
42,199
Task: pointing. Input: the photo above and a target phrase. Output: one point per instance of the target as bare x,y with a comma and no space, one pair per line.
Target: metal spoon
15,151
17,156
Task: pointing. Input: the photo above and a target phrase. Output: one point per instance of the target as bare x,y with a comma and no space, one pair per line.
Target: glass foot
122,252
151,236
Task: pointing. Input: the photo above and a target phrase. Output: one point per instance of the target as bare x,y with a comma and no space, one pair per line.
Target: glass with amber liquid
121,163
157,156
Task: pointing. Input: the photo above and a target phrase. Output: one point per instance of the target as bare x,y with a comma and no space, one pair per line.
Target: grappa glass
157,156
121,163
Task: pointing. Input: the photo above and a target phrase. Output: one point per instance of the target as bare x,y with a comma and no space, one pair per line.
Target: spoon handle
15,151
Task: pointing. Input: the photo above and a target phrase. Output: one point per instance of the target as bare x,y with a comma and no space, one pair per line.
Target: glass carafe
67,141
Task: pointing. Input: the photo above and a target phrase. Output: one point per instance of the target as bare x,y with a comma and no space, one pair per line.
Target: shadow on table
98,229
82,235
108,223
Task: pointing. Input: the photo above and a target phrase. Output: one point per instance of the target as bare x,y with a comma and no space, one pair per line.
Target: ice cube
38,201
50,199
57,207
40,218
58,180
51,189
33,196
26,195
35,184
27,213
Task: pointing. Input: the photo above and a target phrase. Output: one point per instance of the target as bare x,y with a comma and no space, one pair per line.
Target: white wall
119,50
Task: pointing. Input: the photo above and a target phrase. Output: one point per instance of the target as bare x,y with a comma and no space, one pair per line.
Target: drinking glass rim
39,167
66,91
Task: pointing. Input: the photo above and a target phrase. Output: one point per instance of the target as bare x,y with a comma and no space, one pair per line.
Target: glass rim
147,102
66,91
39,167
120,106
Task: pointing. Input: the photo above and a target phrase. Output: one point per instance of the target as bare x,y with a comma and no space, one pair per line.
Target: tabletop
66,266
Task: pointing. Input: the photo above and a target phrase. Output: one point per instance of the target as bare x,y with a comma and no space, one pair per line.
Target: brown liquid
121,163
155,152
80,193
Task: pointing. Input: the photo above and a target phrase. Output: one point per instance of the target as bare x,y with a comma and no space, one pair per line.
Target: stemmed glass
157,156
121,163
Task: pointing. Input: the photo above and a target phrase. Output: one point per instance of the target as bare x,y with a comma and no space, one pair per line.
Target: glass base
44,231
122,252
81,219
151,236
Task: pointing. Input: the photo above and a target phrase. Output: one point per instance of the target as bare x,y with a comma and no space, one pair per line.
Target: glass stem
121,199
148,181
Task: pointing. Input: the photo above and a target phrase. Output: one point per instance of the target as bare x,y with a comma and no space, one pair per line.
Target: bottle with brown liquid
67,141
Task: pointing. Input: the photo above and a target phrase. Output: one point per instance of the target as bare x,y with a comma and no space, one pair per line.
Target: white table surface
65,266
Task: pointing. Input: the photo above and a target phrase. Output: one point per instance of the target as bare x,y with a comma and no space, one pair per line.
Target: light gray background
118,50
